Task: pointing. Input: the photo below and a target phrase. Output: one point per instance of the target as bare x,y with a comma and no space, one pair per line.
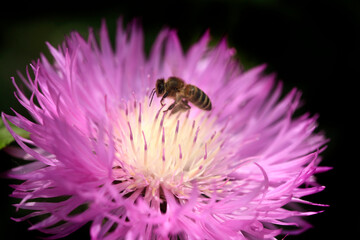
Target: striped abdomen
197,97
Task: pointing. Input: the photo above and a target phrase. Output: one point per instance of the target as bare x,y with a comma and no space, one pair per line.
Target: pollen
156,149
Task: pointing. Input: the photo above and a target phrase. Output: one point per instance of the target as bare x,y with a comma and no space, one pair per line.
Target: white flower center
156,149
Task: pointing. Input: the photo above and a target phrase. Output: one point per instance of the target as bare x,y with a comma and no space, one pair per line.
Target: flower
99,153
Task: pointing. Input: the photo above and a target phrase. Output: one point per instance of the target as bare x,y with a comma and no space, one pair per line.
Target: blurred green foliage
5,136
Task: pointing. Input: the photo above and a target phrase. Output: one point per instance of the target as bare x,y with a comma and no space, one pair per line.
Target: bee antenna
152,93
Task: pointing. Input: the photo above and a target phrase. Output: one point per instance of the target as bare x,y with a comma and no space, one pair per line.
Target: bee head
160,87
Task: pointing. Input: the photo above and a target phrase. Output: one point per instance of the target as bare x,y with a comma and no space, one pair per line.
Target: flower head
99,153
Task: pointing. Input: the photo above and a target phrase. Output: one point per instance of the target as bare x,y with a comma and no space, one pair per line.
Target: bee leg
171,106
180,107
163,97
176,102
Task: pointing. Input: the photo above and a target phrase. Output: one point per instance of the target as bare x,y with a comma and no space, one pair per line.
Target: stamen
163,154
212,137
131,135
222,144
163,136
139,119
187,114
180,154
157,114
162,120
176,131
145,149
131,139
205,155
222,130
196,134
139,123
145,143
106,104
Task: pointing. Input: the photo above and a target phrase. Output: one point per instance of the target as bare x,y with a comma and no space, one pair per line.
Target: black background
311,45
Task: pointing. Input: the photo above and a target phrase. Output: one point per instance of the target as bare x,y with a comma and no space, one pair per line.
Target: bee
182,93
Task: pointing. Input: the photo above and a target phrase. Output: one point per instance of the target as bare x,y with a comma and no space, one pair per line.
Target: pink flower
99,153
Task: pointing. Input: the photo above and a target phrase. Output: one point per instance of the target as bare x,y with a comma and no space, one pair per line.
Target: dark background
312,45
